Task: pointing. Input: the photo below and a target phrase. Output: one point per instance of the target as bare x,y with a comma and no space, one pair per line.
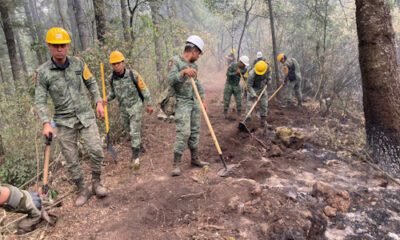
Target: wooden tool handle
103,85
277,90
46,164
206,117
255,103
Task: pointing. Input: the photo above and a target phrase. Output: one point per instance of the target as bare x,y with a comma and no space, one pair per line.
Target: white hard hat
245,60
197,41
259,54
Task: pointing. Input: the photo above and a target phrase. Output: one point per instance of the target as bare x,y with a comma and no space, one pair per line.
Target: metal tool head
243,128
110,149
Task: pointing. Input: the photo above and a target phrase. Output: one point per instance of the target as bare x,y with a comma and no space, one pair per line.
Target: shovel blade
110,149
225,172
243,128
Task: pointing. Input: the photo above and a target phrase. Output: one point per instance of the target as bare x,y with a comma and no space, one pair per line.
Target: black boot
176,165
195,158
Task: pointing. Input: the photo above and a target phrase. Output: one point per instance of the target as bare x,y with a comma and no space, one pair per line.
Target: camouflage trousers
290,87
187,120
69,137
236,91
263,102
132,120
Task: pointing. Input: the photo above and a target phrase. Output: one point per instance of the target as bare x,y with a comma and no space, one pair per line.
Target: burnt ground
269,194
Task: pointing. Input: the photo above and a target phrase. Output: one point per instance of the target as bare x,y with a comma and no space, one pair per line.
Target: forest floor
309,191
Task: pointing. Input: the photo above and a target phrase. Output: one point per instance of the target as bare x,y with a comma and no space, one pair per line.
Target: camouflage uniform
22,201
187,115
256,84
232,87
67,86
293,79
130,104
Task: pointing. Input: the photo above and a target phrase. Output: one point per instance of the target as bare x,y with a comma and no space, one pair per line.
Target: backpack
133,80
168,96
168,102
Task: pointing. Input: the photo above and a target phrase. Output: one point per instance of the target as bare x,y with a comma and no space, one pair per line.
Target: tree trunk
246,20
40,47
380,80
99,8
322,73
21,52
2,80
83,26
61,14
10,40
275,54
158,44
33,33
73,26
125,20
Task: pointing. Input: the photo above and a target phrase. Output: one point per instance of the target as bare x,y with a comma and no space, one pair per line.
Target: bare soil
267,196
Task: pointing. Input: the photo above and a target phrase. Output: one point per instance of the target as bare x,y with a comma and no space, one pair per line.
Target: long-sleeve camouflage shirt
182,84
232,76
257,82
291,70
123,88
68,90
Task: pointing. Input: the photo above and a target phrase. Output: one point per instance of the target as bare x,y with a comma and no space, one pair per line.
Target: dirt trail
267,197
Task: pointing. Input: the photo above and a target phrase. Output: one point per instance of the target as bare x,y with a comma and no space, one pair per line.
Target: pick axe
110,149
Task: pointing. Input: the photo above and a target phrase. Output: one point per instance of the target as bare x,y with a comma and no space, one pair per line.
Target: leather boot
97,188
226,114
83,193
135,162
176,165
195,158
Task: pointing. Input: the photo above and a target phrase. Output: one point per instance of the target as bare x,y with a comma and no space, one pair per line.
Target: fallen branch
193,195
213,227
365,157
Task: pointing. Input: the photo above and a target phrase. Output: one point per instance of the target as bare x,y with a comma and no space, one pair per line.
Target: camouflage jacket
291,70
125,91
232,77
182,85
68,90
257,82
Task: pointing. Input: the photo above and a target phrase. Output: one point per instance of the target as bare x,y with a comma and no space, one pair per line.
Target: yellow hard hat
57,35
116,57
280,56
261,67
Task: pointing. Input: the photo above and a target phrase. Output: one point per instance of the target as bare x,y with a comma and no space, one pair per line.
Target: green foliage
19,129
16,170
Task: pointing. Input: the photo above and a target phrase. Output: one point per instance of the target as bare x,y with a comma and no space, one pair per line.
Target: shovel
110,149
47,148
225,172
242,125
